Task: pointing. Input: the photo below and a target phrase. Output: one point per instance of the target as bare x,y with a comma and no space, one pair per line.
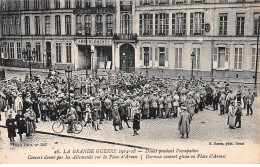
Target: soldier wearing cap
154,106
222,102
52,108
108,108
249,102
145,107
168,106
161,103
43,103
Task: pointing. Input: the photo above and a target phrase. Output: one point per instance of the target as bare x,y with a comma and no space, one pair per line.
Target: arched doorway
127,58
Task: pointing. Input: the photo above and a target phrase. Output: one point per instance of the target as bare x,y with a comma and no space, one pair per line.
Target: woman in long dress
231,116
30,119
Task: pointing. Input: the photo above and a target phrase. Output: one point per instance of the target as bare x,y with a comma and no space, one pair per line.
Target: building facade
133,35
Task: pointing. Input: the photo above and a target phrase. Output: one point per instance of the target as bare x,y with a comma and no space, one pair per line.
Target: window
196,61
36,4
223,24
98,3
78,25
126,24
197,23
162,57
179,24
161,2
146,56
27,25
11,46
5,50
38,51
46,4
223,1
161,24
256,24
88,24
67,4
99,26
68,24
68,52
47,25
58,52
177,2
18,50
57,25
12,26
240,24
178,57
57,4
17,25
78,4
4,26
146,2
26,4
109,24
238,58
37,25
17,4
197,1
110,3
146,24
253,63
87,3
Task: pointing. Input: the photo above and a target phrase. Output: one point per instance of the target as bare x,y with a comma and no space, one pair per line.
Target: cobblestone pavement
207,125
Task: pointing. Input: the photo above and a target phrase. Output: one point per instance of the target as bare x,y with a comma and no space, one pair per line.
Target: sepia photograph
129,82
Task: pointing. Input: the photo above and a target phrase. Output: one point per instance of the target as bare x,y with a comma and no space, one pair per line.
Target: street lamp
92,61
192,60
29,57
146,63
256,63
68,73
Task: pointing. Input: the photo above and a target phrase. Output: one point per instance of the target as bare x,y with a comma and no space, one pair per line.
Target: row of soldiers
152,97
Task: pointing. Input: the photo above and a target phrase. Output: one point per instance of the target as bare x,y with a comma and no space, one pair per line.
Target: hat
184,108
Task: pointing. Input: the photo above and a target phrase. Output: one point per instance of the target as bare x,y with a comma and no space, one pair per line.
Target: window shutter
151,53
166,54
198,58
141,2
151,56
191,24
184,23
215,58
180,57
191,1
140,25
202,24
141,53
227,54
176,58
173,24
173,2
184,1
156,54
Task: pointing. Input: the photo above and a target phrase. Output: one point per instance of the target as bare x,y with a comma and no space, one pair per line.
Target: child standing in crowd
11,126
136,123
21,125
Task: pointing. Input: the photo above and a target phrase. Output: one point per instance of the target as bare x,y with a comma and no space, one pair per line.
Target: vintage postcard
129,81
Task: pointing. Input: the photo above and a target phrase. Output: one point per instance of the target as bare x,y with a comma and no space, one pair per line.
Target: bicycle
58,126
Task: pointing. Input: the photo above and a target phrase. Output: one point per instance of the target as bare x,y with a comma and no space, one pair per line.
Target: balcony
95,10
125,8
124,37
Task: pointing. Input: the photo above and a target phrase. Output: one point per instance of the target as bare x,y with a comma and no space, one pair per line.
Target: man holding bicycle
71,116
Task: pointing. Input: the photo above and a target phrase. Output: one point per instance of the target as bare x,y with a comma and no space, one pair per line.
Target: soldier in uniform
52,108
168,105
116,117
108,108
249,102
145,107
161,104
222,99
43,108
154,106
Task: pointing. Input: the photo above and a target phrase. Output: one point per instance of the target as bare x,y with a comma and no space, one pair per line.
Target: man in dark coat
123,113
10,123
238,115
21,125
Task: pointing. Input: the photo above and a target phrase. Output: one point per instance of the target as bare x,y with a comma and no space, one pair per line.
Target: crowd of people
118,98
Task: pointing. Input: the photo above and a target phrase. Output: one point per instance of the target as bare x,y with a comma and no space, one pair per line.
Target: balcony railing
125,37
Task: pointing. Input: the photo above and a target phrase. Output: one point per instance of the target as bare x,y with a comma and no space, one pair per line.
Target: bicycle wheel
77,127
57,127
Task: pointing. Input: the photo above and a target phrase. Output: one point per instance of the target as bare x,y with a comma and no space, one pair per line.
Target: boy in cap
11,126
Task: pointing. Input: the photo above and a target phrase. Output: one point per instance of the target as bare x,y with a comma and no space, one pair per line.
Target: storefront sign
93,42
